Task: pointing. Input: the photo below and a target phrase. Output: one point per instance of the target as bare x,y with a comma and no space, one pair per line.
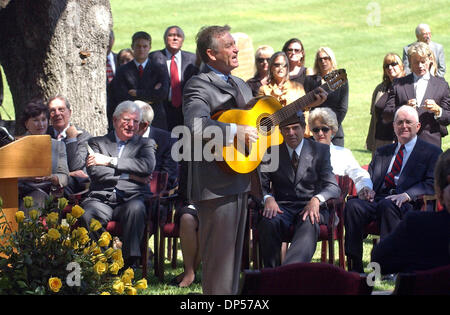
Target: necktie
396,168
120,145
175,83
141,71
294,160
109,71
239,98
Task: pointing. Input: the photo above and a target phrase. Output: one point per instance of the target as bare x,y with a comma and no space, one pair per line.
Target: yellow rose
130,290
70,219
114,268
54,234
141,284
54,284
52,218
105,293
28,201
20,216
95,225
127,276
108,253
77,211
34,214
100,268
117,254
118,287
62,203
104,239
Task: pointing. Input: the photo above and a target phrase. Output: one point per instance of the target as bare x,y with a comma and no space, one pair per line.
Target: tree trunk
51,47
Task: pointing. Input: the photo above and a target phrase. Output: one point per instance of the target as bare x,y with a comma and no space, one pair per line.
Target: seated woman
295,52
262,57
381,133
35,120
125,56
325,62
283,89
324,125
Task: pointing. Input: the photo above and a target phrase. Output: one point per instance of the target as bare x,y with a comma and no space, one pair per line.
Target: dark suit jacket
417,176
127,78
76,151
403,90
337,100
138,157
1,88
314,176
204,95
164,160
420,242
188,69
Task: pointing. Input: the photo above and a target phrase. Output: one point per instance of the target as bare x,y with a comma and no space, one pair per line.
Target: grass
350,28
163,288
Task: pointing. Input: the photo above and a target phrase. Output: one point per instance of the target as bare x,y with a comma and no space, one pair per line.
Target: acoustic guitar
265,116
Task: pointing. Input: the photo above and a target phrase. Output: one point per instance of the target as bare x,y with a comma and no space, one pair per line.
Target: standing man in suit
142,80
75,139
219,197
302,183
423,34
429,94
400,173
180,67
115,194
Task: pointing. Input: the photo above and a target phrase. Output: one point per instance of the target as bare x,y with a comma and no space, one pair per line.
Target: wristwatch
113,161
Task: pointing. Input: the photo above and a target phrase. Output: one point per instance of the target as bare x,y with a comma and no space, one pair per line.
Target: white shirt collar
409,146
143,64
169,54
298,149
424,77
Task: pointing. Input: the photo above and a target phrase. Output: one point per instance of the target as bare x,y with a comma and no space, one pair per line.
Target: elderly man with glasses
400,172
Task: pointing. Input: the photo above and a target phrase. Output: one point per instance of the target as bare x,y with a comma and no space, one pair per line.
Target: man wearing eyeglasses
428,94
400,172
423,34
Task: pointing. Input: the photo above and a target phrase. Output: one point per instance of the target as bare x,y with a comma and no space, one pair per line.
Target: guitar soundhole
265,126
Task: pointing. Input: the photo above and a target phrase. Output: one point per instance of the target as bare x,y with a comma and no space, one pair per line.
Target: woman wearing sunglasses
283,89
295,52
262,58
381,133
337,100
324,125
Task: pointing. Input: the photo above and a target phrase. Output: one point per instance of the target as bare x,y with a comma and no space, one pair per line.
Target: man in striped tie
400,172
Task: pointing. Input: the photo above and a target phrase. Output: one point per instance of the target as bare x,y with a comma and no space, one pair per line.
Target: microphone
5,137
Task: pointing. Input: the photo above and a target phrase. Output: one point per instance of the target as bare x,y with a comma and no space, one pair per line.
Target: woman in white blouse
324,125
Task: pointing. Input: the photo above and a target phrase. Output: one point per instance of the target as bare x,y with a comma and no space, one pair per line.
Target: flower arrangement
51,255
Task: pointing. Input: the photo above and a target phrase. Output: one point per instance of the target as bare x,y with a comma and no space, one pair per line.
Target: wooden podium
27,157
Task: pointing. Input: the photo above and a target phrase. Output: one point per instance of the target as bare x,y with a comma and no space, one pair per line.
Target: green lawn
349,28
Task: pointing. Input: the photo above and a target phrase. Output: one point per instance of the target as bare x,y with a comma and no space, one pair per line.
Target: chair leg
155,249
323,256
341,252
169,248
331,252
144,253
162,248
174,252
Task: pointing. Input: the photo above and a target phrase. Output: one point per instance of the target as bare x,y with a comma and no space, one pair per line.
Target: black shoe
356,265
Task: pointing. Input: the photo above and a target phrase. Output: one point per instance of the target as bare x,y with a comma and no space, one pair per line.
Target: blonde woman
283,89
261,77
381,133
325,62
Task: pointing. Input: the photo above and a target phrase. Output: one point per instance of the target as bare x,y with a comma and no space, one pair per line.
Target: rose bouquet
49,254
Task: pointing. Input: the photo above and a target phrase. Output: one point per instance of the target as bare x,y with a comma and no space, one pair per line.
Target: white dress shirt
407,152
344,163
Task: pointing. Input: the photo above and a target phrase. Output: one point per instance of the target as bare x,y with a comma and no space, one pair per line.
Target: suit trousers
221,236
272,232
359,213
131,214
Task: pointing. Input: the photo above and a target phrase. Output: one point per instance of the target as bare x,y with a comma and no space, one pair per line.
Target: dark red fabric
175,83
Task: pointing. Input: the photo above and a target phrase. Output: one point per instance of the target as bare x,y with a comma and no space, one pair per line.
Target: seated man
186,216
400,173
117,159
303,181
421,241
75,139
164,142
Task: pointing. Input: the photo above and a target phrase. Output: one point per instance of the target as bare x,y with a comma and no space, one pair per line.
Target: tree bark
51,47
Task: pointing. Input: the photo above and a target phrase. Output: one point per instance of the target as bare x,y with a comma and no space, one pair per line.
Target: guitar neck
299,104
